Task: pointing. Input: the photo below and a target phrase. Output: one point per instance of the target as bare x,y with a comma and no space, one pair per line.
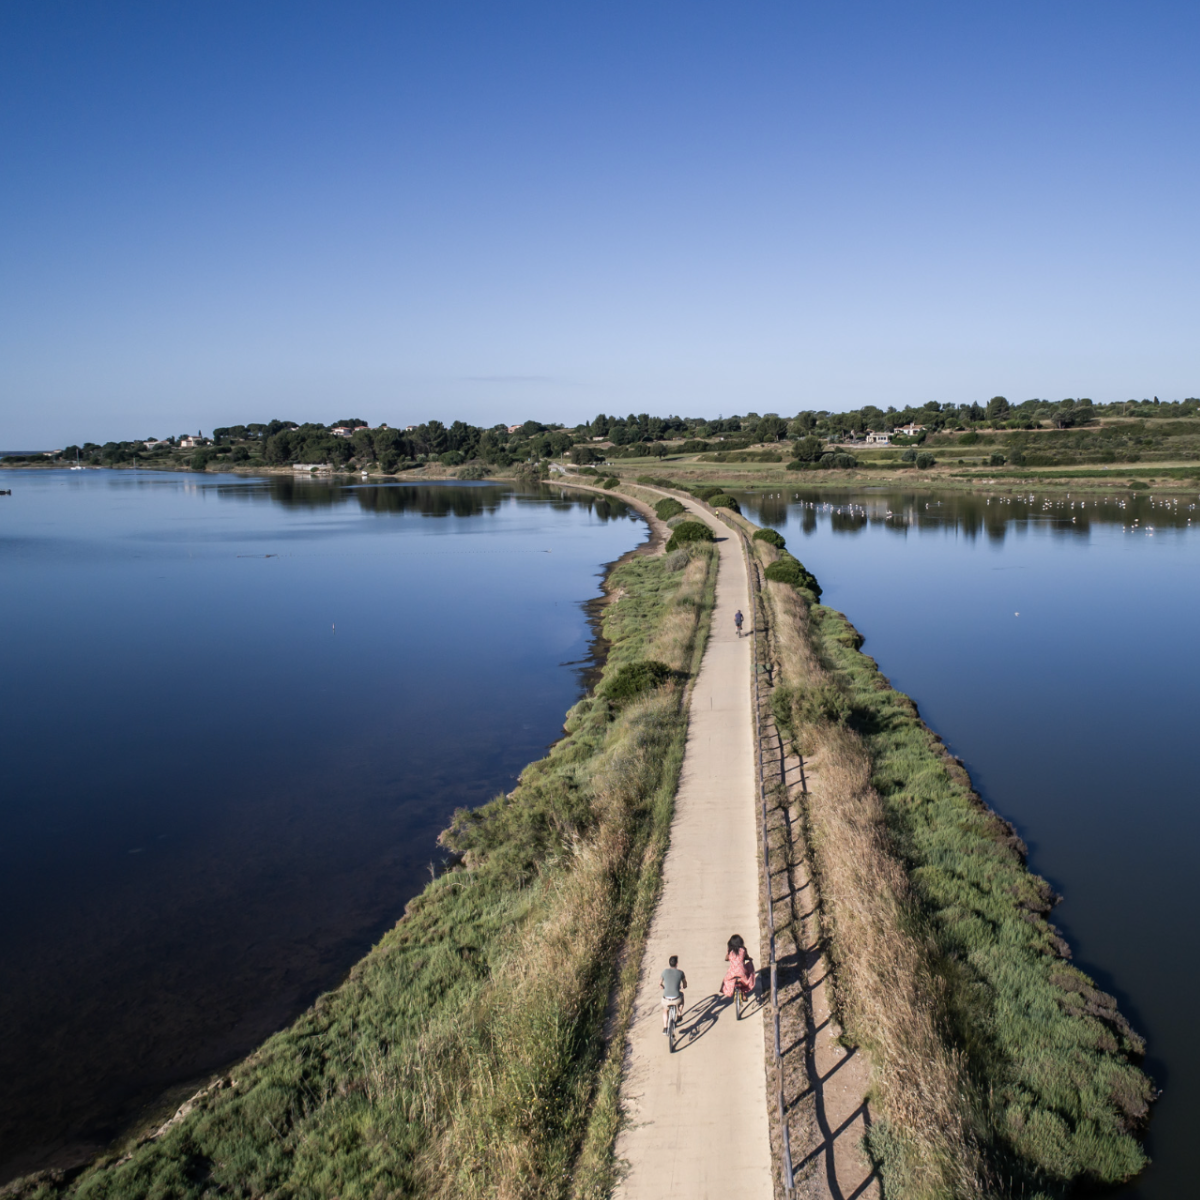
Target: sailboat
78,465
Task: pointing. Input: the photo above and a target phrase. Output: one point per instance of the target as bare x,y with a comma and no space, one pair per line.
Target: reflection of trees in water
971,514
424,499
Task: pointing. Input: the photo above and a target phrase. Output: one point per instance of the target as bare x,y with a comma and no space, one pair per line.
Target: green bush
996,460
475,471
807,449
925,461
909,456
969,439
838,460
724,500
771,537
791,570
611,482
668,508
451,458
636,678
689,531
705,491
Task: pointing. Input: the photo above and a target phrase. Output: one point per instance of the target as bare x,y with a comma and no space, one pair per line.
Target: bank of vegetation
992,434
476,1051
999,1069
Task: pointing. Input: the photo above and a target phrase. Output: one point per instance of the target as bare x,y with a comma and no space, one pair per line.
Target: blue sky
217,212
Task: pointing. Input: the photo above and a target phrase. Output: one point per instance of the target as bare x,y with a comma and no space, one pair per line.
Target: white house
189,442
911,430
878,439
342,431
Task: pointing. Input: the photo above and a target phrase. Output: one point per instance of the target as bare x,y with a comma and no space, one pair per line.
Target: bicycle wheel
671,1029
737,1002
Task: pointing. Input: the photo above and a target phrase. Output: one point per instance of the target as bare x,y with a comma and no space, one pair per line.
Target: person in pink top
741,968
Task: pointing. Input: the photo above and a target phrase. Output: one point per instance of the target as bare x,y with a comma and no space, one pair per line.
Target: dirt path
697,1119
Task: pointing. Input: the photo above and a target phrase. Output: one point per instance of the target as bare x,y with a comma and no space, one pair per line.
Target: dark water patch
1053,642
237,713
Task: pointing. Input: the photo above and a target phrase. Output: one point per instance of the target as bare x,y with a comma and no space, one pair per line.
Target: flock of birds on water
1049,507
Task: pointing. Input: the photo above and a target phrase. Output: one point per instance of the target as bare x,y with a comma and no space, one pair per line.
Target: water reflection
449,499
972,515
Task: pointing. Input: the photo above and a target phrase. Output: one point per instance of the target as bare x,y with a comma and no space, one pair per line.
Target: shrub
668,508
611,482
969,438
475,471
791,570
689,531
636,678
925,461
909,456
705,491
838,460
996,460
723,500
771,537
807,449
452,458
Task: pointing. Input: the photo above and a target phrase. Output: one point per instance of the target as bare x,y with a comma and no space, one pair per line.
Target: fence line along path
697,1119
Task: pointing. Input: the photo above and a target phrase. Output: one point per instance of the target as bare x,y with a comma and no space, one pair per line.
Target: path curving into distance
696,1120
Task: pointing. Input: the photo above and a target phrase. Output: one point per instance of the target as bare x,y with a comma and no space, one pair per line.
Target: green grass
1054,1064
465,1055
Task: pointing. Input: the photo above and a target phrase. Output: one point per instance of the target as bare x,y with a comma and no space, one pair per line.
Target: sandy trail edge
696,1120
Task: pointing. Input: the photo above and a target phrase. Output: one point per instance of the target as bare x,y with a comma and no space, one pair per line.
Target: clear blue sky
217,212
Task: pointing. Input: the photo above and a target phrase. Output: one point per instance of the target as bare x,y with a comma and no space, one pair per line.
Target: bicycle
741,993
672,1017
737,620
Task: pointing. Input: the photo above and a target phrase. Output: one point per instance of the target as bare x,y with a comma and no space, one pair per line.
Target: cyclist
737,620
672,981
741,972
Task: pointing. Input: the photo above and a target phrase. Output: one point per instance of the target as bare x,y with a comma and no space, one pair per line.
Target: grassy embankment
476,1050
997,1068
1108,454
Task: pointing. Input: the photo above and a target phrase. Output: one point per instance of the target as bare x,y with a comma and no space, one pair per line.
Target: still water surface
1055,644
236,714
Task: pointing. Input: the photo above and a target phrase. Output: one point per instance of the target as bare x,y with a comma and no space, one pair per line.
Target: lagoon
1053,642
236,714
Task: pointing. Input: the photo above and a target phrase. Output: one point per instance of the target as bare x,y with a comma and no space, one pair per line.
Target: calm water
1055,644
236,714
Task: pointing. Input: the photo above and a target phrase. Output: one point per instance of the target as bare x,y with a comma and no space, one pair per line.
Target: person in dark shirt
672,981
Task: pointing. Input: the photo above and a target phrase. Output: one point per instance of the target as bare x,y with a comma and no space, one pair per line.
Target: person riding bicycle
737,620
672,981
741,972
